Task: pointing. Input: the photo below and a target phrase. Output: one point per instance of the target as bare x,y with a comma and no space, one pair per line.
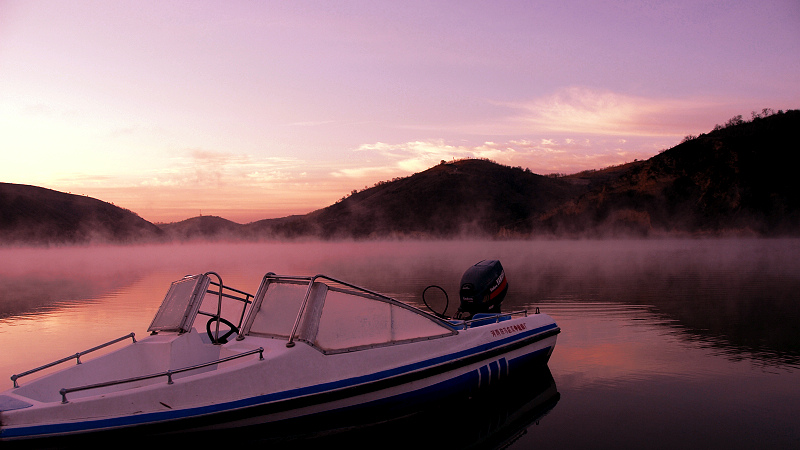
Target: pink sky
250,110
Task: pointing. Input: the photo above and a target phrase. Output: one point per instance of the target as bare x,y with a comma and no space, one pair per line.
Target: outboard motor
483,288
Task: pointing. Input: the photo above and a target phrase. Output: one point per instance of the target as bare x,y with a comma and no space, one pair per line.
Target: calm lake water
664,343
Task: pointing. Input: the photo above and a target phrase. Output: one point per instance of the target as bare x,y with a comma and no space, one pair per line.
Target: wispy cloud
415,155
201,167
566,132
583,110
544,155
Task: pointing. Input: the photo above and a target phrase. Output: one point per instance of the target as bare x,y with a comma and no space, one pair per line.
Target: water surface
664,343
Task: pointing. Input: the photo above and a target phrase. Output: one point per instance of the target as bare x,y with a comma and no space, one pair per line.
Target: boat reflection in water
490,418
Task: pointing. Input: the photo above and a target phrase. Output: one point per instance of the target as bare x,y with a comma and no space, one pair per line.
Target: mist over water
742,292
644,322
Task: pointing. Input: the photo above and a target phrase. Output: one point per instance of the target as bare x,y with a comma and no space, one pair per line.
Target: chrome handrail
221,294
246,294
495,318
168,374
77,356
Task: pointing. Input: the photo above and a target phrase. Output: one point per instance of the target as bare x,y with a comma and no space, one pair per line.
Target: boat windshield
186,296
180,306
335,317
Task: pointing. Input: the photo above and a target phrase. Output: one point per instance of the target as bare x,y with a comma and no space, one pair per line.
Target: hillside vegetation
738,179
468,197
30,214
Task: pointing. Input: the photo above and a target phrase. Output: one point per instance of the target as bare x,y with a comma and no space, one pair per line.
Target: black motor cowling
483,288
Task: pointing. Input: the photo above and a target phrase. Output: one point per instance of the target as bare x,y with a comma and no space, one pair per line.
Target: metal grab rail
77,356
495,318
246,300
168,374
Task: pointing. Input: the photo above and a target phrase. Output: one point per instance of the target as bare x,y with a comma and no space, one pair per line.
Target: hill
30,214
735,180
467,197
202,228
738,179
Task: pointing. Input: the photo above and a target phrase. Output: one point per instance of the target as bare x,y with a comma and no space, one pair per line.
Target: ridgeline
39,216
737,180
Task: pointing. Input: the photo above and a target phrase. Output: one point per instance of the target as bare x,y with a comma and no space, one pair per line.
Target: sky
257,109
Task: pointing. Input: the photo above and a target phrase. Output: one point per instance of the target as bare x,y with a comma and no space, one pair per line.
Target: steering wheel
224,338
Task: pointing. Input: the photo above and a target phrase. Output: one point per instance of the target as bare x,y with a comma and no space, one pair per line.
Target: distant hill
739,179
467,197
30,214
203,228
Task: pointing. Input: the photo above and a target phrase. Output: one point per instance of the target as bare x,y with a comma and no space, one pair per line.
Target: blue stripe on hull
465,384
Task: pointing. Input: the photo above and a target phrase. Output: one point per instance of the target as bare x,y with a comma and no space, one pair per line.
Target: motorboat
301,347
